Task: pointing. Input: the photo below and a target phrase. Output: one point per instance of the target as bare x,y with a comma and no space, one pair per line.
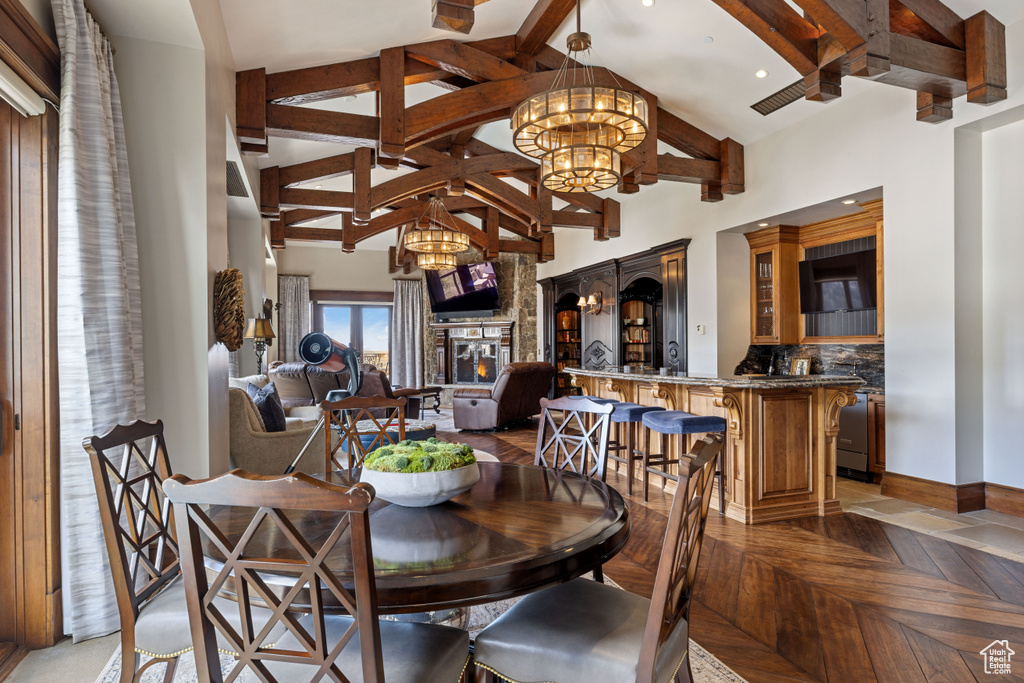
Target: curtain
99,313
293,292
407,334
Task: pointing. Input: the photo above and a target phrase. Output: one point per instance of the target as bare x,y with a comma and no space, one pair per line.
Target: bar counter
779,459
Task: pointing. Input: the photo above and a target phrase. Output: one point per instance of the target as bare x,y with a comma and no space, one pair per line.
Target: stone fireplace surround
464,349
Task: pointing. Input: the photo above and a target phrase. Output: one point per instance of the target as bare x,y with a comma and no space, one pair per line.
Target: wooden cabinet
568,348
673,279
876,436
774,285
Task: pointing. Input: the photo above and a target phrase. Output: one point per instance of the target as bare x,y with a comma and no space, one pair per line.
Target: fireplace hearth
471,353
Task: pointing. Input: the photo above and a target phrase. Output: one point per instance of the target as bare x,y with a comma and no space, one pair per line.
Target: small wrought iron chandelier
579,130
435,232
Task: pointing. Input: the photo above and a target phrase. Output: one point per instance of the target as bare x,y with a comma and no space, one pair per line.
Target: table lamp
259,330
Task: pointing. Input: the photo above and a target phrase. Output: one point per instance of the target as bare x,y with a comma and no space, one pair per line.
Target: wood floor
842,599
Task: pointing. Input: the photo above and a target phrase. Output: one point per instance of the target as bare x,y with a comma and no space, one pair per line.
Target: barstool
679,422
625,418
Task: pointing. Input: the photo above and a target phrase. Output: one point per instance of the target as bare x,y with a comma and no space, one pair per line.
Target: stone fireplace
471,353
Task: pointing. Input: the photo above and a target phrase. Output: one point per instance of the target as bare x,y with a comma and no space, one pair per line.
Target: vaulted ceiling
696,58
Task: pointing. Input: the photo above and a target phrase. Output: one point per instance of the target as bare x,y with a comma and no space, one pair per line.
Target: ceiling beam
318,170
986,59
323,126
453,15
846,20
940,18
463,60
541,23
780,27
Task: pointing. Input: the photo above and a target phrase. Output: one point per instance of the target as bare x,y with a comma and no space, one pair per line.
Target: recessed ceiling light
708,39
317,187
849,201
647,3
762,225
348,98
761,73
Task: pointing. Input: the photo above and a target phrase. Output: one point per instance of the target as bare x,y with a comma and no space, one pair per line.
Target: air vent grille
236,186
775,102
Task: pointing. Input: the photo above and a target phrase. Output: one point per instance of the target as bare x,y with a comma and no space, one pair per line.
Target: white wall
163,100
854,144
330,268
1003,209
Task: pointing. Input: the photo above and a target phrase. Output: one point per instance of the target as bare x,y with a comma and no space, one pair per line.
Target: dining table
517,530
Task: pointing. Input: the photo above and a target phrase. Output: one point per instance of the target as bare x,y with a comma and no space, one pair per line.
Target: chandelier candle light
435,239
579,130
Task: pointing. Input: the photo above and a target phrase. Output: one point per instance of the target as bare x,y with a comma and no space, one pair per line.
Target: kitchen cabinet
774,285
876,436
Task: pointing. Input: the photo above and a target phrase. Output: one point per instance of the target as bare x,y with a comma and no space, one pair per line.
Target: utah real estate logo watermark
997,657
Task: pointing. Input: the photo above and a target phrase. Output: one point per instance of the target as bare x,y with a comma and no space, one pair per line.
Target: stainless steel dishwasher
852,449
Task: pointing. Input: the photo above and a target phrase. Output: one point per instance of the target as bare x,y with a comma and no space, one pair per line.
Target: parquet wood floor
840,599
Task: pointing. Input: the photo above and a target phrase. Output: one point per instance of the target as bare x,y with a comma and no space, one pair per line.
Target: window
366,327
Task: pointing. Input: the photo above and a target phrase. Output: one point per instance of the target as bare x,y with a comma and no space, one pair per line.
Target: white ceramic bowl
421,489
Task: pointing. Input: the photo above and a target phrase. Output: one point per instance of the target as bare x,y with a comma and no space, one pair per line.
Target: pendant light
435,232
578,130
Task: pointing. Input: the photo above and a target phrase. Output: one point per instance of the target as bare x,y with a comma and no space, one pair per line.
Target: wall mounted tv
469,291
838,283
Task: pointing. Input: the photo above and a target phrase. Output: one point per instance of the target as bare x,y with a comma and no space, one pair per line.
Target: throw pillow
269,404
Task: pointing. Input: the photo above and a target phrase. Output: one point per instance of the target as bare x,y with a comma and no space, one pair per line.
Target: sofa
515,396
254,449
298,415
299,384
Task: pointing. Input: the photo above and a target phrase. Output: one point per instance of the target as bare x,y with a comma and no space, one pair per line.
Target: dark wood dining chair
129,466
263,556
573,435
567,629
345,417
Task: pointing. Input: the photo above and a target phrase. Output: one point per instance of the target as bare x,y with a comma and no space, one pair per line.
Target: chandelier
435,233
435,261
578,130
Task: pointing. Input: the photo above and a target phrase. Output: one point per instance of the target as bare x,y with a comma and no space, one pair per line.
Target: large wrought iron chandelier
435,239
578,130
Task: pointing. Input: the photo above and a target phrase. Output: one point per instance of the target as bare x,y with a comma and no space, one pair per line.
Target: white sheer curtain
407,334
99,312
293,292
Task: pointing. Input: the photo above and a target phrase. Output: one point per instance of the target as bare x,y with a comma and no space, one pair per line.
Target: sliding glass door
367,328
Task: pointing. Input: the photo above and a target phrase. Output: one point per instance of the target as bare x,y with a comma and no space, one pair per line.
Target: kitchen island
779,459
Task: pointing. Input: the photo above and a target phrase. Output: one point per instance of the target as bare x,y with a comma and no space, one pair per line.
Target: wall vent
775,102
236,186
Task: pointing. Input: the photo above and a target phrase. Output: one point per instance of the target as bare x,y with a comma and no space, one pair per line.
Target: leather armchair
515,396
376,383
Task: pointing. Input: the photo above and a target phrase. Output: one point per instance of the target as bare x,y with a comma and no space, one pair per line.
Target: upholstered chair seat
578,631
162,627
412,653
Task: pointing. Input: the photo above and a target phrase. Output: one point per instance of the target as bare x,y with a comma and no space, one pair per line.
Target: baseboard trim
10,656
949,497
1005,499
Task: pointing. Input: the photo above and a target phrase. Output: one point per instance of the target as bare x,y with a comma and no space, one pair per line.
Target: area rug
706,667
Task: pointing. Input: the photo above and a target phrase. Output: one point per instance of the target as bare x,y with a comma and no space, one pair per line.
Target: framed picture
800,366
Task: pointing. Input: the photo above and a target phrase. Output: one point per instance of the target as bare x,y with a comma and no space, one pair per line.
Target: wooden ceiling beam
323,126
986,59
251,106
683,170
933,108
270,202
277,235
568,219
926,67
453,15
846,20
541,23
313,234
317,200
391,103
463,60
502,47
294,217
318,170
940,18
780,27
491,223
502,195
520,247
432,177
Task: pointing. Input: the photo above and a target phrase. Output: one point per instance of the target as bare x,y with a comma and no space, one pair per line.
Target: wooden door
30,611
673,279
601,330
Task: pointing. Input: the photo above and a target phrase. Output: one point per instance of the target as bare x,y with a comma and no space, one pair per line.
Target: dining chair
588,632
259,553
129,464
346,415
579,440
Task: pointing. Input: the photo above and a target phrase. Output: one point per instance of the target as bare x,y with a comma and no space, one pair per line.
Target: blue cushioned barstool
679,422
623,448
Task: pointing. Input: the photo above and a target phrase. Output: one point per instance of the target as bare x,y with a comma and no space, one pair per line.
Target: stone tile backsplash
870,359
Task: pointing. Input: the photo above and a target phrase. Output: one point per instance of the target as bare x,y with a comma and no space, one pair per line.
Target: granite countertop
733,381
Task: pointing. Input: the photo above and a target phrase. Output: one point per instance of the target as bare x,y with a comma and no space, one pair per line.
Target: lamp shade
582,302
259,328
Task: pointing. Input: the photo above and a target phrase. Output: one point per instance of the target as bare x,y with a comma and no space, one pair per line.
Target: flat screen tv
838,283
469,291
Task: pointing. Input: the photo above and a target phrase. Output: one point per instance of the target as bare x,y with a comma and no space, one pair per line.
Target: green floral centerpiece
432,455
420,473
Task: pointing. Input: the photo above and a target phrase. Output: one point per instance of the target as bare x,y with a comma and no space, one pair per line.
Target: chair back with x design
356,417
129,466
578,441
292,579
677,568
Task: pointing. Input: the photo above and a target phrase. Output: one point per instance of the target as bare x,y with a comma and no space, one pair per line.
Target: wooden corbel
838,400
735,413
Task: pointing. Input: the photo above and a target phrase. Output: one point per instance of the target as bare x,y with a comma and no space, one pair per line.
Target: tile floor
986,530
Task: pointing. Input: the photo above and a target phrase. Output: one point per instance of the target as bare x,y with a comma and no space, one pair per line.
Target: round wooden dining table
518,530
